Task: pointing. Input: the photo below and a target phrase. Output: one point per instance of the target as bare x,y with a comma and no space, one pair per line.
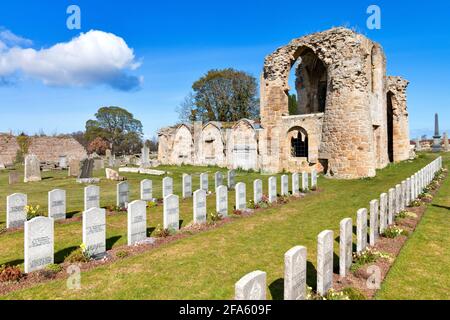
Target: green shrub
393,232
354,294
78,255
367,256
55,268
160,232
122,254
336,295
33,212
215,216
416,203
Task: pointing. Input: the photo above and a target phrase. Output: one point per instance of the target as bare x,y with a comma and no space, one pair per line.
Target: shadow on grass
277,289
150,231
311,275
442,207
70,215
181,223
111,241
14,262
47,178
62,254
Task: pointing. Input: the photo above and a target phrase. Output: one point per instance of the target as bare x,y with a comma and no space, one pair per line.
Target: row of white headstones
382,212
39,231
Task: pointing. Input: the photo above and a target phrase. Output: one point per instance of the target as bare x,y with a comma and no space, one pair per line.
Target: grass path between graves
422,270
207,265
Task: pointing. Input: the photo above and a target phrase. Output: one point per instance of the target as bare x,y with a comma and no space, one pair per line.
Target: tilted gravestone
187,186
137,222
200,206
87,168
218,179
272,189
123,193
374,222
171,212
222,201
295,184
39,243
241,198
361,230
16,214
324,262
295,274
383,212
345,246
13,177
251,287
167,184
57,204
91,197
257,191
231,179
204,182
305,181
284,185
147,190
32,171
94,231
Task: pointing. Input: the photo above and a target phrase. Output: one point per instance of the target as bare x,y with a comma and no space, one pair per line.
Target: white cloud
9,39
92,58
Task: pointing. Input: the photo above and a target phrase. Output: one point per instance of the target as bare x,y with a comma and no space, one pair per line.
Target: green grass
207,265
422,270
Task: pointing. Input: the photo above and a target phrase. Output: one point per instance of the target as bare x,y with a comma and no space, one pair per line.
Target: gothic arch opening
390,126
298,141
309,77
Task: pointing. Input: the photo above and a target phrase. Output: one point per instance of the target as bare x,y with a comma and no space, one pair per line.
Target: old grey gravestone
187,186
231,179
383,212
123,194
295,184
257,191
57,204
251,287
16,214
305,181
204,182
345,246
13,177
39,243
171,212
94,231
91,197
87,168
147,190
32,169
361,230
272,189
145,157
295,274
218,179
200,206
222,201
324,262
137,222
374,222
167,184
284,185
241,198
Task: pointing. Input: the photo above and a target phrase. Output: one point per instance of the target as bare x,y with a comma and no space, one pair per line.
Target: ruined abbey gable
352,118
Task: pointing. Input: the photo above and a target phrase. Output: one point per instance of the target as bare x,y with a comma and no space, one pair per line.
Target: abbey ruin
352,118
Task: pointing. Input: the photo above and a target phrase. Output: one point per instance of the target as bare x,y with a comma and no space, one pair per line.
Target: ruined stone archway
298,141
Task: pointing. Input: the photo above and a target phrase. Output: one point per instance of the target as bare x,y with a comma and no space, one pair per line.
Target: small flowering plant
33,211
393,232
369,255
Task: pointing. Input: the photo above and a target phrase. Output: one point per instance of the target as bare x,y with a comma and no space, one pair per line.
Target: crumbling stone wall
183,146
212,147
243,146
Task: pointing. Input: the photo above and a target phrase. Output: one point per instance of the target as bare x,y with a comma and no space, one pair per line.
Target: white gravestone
137,222
57,204
324,262
231,179
146,190
204,182
241,198
313,179
94,231
187,186
295,184
403,191
222,201
171,212
200,206
284,185
218,179
361,230
398,199
272,189
383,212
123,193
305,181
408,191
167,186
32,170
391,206
374,222
257,191
295,274
39,243
91,197
251,287
16,214
345,246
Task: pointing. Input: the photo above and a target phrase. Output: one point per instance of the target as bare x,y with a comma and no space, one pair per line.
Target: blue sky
175,42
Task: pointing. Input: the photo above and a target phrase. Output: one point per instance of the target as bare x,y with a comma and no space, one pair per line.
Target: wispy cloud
91,59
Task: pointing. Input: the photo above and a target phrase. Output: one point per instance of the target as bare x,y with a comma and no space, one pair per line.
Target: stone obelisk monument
437,136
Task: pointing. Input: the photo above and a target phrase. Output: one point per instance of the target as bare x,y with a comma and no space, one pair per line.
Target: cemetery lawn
205,265
422,270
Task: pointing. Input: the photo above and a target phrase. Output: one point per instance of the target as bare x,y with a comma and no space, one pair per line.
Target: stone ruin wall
45,148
